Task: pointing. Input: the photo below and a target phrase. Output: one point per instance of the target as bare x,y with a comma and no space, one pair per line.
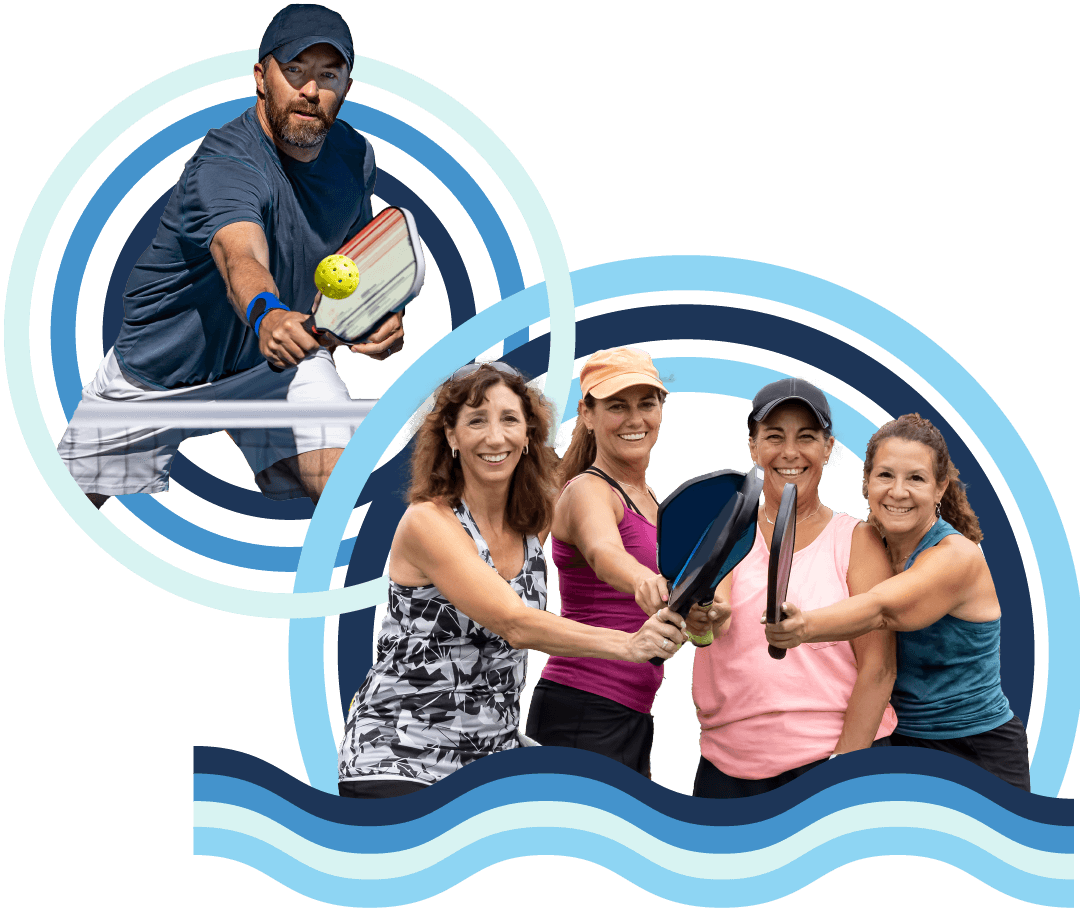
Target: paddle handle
660,661
308,325
778,653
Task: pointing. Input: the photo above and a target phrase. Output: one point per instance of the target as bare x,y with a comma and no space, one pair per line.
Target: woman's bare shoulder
954,558
586,496
587,488
420,517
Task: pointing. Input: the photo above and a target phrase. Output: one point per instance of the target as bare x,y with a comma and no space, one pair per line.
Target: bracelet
701,641
260,305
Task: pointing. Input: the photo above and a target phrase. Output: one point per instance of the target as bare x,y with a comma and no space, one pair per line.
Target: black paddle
724,537
781,553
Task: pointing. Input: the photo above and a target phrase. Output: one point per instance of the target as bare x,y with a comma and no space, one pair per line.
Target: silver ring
665,645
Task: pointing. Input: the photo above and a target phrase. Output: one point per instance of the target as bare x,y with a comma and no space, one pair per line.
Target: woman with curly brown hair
468,588
941,602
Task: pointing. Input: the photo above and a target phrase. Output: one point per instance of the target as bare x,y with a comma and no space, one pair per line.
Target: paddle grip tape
260,305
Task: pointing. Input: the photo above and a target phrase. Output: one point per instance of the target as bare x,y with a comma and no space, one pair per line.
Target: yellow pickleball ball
337,276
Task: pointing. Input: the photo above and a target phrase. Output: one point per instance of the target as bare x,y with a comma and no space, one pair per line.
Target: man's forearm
245,278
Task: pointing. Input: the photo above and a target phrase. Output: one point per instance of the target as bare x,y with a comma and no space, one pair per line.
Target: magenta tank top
589,600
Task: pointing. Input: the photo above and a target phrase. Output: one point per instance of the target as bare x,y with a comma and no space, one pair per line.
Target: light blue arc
120,182
769,282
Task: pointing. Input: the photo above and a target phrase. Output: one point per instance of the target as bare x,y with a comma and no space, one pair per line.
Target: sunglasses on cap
469,369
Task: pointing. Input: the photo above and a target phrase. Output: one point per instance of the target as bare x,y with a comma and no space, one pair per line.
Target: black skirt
1002,751
567,717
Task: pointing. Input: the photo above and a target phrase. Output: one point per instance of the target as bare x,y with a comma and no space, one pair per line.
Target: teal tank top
948,675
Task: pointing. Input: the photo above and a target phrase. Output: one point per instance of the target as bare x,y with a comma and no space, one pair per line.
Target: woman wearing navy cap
764,722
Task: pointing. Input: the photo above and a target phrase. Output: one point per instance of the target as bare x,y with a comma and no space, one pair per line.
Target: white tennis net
247,413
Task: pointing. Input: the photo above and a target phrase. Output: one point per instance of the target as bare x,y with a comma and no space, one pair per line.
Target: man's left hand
385,341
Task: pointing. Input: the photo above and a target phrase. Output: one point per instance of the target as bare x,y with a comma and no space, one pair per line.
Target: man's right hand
283,340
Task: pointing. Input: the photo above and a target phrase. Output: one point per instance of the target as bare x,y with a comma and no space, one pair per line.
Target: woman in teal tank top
941,602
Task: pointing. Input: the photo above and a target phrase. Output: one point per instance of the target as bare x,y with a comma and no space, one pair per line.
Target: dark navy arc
306,210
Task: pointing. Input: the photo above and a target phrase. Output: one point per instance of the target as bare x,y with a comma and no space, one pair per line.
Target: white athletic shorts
122,461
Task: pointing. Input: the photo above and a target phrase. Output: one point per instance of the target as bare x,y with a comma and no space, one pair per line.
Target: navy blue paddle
703,530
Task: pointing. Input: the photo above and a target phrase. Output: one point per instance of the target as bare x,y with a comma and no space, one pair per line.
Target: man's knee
312,469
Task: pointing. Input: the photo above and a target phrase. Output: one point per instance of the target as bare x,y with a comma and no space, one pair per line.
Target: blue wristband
260,305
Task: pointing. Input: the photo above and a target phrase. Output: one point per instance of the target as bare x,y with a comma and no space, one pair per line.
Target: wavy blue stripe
710,838
634,868
559,761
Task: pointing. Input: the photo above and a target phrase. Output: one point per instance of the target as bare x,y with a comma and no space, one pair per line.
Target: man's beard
304,135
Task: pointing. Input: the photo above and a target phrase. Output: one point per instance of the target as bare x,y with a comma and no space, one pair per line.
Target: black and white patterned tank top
444,690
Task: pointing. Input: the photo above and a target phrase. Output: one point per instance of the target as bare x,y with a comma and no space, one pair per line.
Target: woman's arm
875,653
935,585
431,544
875,657
592,525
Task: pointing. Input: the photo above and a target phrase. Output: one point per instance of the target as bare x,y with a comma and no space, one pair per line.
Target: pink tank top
589,600
760,717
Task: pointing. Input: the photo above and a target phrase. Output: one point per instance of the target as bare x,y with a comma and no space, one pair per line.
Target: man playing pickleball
229,277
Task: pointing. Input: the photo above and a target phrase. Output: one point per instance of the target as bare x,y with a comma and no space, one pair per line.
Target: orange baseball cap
612,369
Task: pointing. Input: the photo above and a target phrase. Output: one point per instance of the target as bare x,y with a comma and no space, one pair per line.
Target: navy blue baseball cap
301,25
772,394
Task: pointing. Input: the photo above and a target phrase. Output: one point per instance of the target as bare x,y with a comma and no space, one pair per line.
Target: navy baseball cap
772,394
301,25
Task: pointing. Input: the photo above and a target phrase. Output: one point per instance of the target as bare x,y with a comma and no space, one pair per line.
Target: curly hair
954,503
436,475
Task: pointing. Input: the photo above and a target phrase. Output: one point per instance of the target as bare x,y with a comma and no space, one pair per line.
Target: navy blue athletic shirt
179,328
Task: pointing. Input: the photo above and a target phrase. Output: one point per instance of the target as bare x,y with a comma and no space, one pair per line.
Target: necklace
638,489
765,511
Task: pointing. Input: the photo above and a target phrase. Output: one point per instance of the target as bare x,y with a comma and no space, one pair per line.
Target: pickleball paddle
390,261
703,530
781,554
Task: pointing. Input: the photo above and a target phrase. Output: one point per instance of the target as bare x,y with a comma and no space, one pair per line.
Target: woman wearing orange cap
604,545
